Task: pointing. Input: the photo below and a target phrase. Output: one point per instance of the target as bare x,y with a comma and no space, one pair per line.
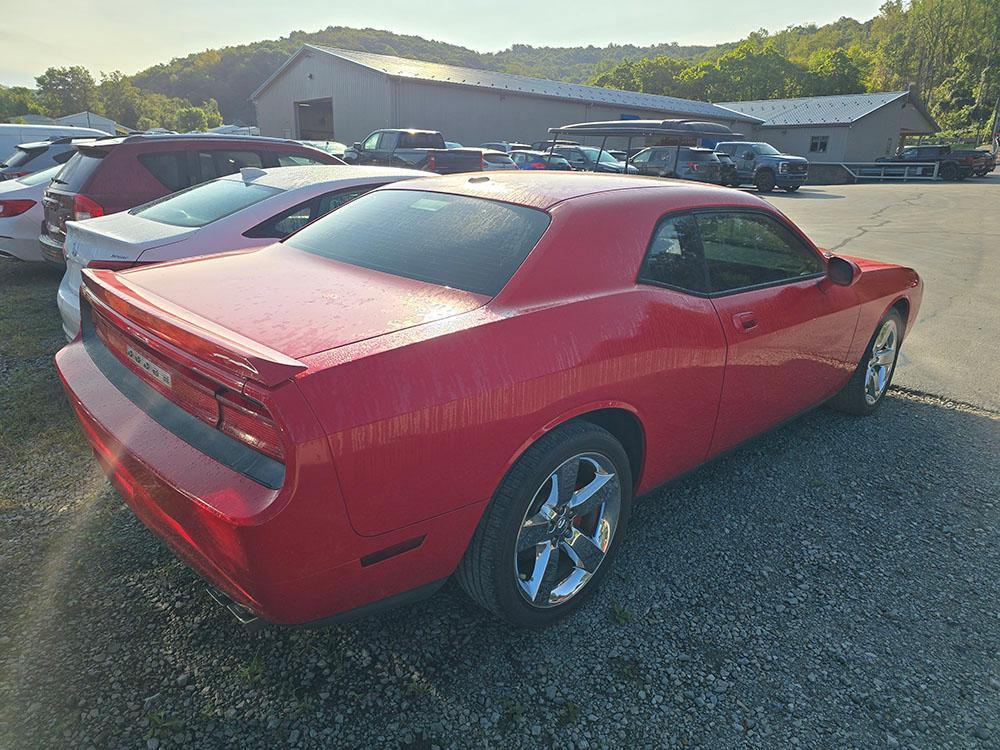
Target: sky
126,35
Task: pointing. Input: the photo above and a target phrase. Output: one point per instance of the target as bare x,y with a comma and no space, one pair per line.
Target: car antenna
249,174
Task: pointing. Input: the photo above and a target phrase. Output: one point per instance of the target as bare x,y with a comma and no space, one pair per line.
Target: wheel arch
620,419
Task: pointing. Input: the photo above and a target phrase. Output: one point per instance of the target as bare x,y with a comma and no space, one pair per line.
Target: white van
12,135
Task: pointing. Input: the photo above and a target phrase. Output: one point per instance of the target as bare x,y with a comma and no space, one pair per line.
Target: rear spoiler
225,350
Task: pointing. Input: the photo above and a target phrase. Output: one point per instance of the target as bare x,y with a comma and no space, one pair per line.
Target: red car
464,375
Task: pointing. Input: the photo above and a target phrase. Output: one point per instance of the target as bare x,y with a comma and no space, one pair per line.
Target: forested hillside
243,68
949,48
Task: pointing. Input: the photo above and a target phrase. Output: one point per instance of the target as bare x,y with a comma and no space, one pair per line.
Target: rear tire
873,375
764,181
948,172
521,563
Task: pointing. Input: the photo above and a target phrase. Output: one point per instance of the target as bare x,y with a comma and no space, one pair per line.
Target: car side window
168,167
296,160
641,158
746,250
230,162
371,142
290,220
674,258
338,198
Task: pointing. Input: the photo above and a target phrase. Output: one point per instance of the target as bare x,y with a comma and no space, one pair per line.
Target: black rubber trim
205,438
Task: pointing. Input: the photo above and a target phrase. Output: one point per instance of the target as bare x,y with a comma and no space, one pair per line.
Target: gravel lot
836,584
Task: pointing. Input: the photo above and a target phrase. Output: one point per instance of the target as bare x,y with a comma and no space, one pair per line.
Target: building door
314,120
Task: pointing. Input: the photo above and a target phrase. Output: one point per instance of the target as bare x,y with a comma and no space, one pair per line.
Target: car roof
291,178
194,138
545,189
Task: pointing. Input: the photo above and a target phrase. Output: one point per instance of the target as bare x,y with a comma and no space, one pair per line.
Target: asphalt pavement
950,233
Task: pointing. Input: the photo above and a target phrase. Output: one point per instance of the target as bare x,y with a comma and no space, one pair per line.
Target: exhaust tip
243,615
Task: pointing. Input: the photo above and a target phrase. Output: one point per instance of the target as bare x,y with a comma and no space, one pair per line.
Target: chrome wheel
883,357
567,529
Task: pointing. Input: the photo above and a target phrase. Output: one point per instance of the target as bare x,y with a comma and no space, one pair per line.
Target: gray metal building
845,128
333,94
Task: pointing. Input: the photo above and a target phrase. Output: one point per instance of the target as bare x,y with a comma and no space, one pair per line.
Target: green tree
834,72
120,99
65,91
190,119
16,101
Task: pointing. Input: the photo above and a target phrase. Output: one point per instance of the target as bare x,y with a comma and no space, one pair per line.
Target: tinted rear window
690,155
79,169
203,204
421,140
22,156
456,241
39,177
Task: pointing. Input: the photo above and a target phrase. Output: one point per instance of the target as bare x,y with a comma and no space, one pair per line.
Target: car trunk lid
114,242
289,301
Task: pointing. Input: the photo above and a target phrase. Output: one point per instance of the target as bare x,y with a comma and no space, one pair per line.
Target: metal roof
842,109
402,67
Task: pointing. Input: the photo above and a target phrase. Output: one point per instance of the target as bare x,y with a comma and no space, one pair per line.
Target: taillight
14,207
431,162
13,175
249,422
538,165
693,166
482,163
86,208
242,418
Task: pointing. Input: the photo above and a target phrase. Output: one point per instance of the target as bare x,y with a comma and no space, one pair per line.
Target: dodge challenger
468,376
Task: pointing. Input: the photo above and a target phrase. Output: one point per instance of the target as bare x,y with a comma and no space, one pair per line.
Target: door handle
745,321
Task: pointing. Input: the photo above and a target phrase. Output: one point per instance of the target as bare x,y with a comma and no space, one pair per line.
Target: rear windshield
22,156
692,155
456,241
421,140
39,177
78,170
203,204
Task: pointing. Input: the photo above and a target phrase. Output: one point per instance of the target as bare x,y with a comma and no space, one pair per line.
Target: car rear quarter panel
429,420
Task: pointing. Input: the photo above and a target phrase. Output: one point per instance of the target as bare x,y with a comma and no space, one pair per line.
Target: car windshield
765,149
38,178
456,241
606,157
203,204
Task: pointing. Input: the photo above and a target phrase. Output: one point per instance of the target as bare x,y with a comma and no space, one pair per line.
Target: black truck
952,164
420,149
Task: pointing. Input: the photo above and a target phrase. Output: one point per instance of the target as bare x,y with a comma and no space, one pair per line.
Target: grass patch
35,416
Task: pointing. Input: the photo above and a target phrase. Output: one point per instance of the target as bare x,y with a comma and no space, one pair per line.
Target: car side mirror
357,146
841,271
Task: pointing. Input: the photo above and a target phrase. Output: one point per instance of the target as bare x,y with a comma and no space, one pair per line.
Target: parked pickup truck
762,165
422,149
952,164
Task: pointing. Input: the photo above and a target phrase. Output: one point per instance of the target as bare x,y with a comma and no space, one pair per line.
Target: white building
844,128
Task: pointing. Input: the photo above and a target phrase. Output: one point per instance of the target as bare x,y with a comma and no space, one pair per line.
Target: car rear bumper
287,555
68,301
20,249
51,250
